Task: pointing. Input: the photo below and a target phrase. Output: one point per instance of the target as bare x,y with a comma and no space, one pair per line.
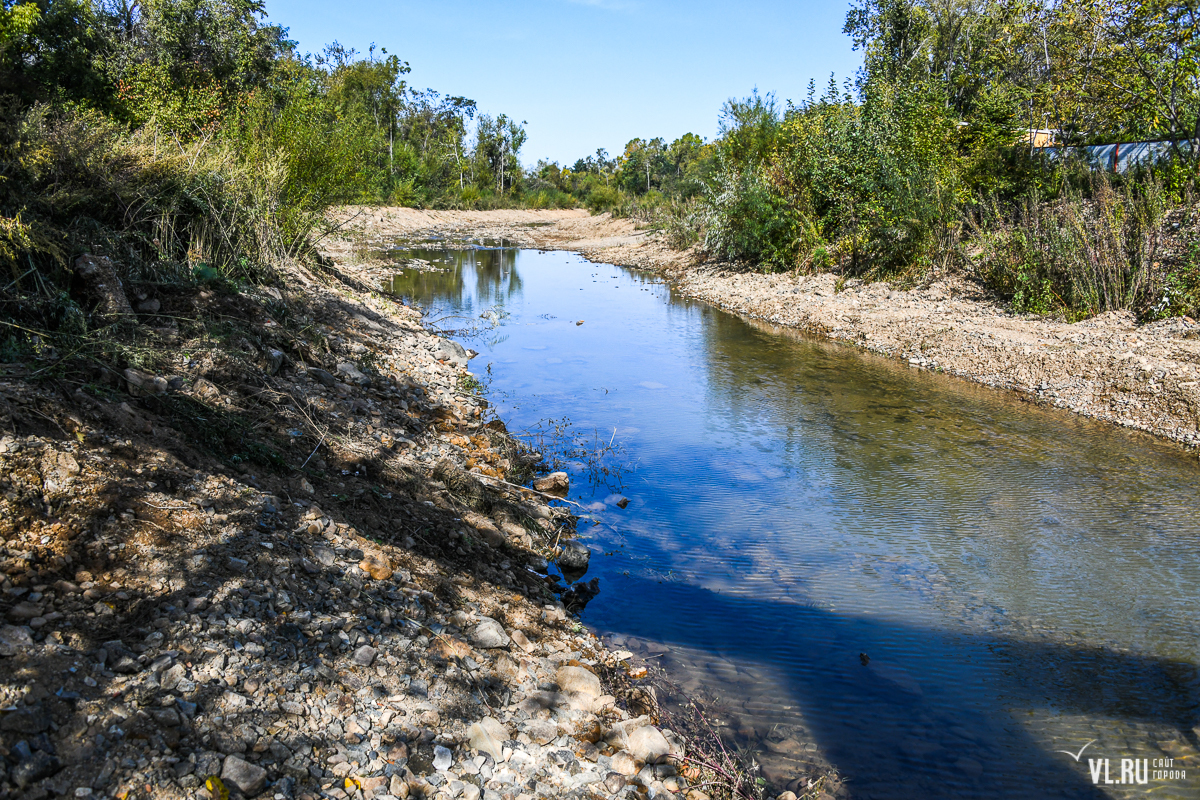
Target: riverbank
1143,377
289,551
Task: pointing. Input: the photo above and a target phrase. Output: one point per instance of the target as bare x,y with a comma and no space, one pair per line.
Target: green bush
604,198
748,222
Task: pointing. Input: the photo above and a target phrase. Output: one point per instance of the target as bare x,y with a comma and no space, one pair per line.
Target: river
930,586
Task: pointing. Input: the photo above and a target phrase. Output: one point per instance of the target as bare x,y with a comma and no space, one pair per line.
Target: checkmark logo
1078,755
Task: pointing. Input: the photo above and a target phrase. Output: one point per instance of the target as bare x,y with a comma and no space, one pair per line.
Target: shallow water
1020,580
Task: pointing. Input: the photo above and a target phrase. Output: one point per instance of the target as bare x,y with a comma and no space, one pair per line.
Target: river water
928,585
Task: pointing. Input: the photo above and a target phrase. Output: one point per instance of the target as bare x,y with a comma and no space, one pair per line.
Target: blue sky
591,73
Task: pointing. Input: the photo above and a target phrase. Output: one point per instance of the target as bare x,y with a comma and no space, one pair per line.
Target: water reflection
492,273
1021,580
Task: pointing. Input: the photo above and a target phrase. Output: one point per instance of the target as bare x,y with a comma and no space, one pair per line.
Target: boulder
100,276
30,770
365,655
322,377
488,736
24,611
351,373
578,681
14,639
377,565
647,744
624,763
486,529
452,352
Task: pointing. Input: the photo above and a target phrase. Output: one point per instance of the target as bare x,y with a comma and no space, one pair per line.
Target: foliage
1075,257
932,156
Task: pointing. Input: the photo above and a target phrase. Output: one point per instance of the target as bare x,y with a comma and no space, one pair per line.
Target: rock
206,390
143,383
151,306
274,361
37,766
578,595
442,759
120,659
451,351
787,796
377,565
324,556
522,641
488,736
556,483
28,721
25,611
249,778
574,555
351,373
486,529
365,655
373,787
619,500
322,377
614,782
578,681
101,278
172,677
488,634
14,639
624,763
541,731
647,744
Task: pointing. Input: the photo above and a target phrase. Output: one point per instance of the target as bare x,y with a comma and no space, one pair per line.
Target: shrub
1075,256
746,221
604,198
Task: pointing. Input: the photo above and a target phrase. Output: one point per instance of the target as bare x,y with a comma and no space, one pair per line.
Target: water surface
1018,581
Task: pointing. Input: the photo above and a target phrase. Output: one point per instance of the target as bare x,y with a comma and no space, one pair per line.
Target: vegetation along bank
259,534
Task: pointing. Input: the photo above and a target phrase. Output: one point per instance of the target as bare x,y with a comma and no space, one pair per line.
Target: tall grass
158,207
1075,256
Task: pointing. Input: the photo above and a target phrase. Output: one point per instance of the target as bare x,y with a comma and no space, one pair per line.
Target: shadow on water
892,732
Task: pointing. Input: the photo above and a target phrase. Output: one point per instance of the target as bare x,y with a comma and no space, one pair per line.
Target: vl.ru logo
1133,771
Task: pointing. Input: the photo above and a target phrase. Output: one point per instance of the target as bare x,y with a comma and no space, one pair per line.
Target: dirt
1110,367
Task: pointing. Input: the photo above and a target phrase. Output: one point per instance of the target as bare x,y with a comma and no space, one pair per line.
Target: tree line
932,157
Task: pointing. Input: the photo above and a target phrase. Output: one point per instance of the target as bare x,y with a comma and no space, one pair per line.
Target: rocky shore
290,556
1139,376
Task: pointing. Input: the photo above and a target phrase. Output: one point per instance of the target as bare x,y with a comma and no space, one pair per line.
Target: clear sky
592,73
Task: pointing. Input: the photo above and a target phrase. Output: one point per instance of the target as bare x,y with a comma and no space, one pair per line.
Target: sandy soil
1111,368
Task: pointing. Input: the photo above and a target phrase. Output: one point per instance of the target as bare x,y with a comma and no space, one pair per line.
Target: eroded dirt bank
1145,377
287,552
